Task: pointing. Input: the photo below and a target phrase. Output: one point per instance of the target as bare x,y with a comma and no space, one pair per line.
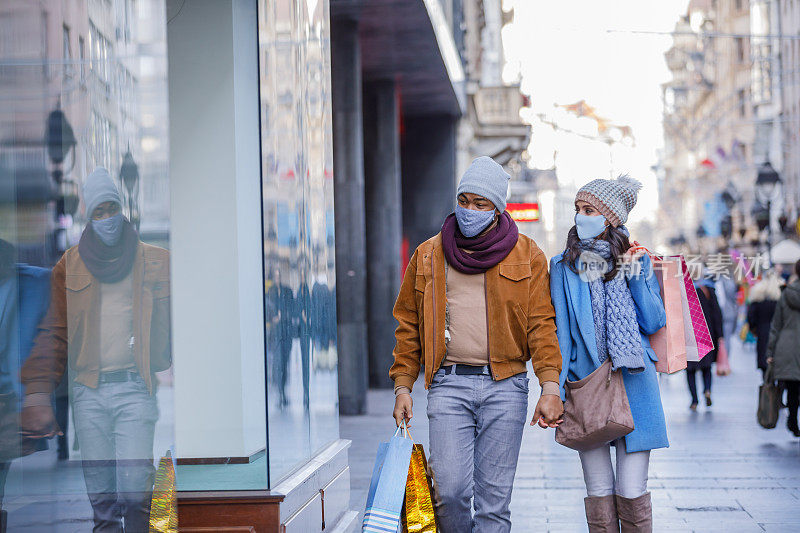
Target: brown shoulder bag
596,411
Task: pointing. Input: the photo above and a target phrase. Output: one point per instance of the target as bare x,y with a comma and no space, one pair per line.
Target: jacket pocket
78,302
156,278
516,272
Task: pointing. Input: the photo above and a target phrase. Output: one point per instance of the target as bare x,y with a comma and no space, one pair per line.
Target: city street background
722,471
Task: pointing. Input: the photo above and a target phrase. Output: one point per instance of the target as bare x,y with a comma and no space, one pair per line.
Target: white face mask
589,227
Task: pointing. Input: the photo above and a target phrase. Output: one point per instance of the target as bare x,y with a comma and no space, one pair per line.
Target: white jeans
598,473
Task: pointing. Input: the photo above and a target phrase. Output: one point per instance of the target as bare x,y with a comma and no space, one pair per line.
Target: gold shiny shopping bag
164,506
418,507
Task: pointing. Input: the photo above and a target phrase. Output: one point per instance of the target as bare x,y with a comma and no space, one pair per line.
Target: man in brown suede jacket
473,308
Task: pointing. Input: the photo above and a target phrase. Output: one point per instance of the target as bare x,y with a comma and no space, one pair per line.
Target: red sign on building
526,212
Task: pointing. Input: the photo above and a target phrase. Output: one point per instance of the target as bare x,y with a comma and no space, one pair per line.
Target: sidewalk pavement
723,472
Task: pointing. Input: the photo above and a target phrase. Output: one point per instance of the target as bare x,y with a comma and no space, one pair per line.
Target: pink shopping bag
668,343
689,338
698,320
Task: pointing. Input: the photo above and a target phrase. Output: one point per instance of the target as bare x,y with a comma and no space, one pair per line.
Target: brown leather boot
601,514
635,514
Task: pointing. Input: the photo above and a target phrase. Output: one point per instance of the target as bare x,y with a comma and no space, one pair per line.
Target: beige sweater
465,320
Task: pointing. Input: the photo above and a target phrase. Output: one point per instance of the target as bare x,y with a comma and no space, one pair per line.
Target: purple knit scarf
486,250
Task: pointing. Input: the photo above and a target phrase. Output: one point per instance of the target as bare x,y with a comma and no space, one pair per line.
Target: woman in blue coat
607,303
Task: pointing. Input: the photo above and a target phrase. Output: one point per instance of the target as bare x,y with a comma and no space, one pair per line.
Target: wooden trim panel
250,511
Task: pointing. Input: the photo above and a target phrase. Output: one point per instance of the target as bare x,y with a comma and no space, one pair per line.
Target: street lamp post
768,186
129,174
60,141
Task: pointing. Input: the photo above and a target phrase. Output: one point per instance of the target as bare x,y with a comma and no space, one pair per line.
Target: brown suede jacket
70,332
521,320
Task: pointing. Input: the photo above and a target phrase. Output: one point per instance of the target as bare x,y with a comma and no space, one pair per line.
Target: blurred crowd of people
764,313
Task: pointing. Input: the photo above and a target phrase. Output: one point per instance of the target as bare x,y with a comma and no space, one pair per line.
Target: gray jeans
114,426
631,477
475,434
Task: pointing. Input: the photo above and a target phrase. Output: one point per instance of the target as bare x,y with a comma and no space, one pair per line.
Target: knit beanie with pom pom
613,198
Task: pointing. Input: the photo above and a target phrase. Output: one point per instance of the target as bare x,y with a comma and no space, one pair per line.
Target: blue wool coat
576,338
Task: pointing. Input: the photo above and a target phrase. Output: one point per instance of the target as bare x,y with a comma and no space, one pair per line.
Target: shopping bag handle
403,431
646,249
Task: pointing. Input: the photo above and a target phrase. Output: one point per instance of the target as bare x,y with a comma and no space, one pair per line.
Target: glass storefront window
86,374
297,177
166,252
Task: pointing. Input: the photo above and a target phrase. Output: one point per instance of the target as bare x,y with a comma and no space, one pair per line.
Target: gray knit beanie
99,188
613,198
487,178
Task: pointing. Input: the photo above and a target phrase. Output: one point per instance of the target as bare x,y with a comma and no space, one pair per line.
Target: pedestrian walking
782,348
474,307
607,302
764,298
713,314
109,324
726,295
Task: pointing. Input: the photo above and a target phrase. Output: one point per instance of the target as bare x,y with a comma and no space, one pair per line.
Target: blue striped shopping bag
388,486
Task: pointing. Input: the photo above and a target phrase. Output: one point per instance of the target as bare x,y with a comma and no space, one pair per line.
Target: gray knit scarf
615,323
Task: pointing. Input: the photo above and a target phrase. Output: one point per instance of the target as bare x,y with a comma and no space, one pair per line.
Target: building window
742,103
101,51
741,50
82,58
761,71
45,48
739,5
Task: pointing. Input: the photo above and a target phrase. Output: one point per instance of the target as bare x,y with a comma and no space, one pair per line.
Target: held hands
39,422
549,411
402,409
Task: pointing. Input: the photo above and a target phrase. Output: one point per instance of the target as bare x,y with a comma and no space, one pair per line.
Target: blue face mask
589,227
109,230
472,222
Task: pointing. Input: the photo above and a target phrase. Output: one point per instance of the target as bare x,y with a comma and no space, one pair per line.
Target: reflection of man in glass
280,311
302,312
109,320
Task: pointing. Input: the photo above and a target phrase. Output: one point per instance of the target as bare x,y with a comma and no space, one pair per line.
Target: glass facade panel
297,177
106,277
86,394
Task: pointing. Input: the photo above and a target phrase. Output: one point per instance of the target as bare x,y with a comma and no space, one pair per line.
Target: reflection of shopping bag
668,342
418,516
164,506
387,488
699,324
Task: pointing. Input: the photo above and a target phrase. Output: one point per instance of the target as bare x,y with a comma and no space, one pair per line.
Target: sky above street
567,51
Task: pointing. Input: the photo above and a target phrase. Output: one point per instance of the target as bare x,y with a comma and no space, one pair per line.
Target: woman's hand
634,253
